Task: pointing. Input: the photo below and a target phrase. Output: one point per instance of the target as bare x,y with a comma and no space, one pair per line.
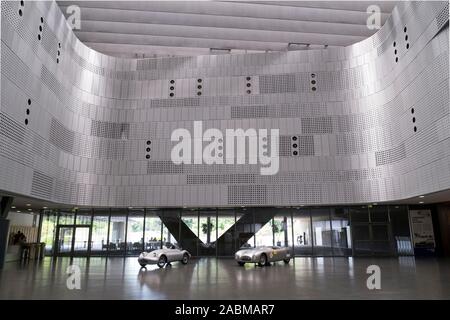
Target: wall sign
422,229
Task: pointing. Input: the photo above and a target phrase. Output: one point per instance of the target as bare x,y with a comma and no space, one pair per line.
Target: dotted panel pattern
282,83
110,130
247,194
317,125
42,185
221,179
390,156
371,121
11,128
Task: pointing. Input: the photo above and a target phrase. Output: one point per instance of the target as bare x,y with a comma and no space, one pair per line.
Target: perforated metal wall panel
365,123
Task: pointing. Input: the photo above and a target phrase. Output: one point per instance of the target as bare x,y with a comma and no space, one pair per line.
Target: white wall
22,219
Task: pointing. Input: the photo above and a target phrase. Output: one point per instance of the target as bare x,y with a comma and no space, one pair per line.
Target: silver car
263,255
164,256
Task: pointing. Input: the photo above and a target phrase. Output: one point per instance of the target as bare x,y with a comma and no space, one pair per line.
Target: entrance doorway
72,240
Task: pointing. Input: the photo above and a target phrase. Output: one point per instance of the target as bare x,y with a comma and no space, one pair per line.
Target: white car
164,256
263,255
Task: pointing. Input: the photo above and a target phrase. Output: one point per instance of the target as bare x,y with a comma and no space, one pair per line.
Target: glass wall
135,231
83,217
189,240
382,243
340,232
207,232
171,227
282,228
225,232
66,217
48,230
100,230
400,230
319,231
117,234
153,230
245,228
302,232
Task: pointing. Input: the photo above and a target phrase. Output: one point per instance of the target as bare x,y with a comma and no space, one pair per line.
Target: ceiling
139,29
33,206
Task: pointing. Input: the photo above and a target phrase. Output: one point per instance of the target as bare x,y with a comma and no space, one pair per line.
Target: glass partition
245,228
189,238
340,232
153,230
99,238
48,230
66,217
302,232
282,228
84,216
171,227
207,231
81,240
264,235
360,230
135,231
400,230
225,232
321,230
117,229
381,234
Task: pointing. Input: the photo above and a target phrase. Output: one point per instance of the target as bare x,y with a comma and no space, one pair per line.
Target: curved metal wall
74,123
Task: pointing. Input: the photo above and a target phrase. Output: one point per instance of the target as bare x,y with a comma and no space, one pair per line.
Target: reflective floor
210,278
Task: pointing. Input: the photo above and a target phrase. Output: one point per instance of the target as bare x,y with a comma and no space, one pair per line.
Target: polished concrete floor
210,278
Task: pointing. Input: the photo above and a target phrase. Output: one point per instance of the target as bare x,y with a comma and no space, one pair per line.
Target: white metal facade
89,117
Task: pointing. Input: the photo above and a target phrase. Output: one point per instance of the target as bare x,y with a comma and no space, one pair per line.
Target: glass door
207,232
81,241
64,240
72,240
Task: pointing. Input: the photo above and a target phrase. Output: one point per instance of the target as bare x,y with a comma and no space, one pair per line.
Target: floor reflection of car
263,255
164,256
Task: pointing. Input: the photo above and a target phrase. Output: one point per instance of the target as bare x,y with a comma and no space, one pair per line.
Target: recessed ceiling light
28,204
420,202
421,196
13,207
29,209
18,211
130,207
44,207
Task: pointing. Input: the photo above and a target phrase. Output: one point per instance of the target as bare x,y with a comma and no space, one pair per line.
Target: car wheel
286,261
162,261
262,260
241,263
185,259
